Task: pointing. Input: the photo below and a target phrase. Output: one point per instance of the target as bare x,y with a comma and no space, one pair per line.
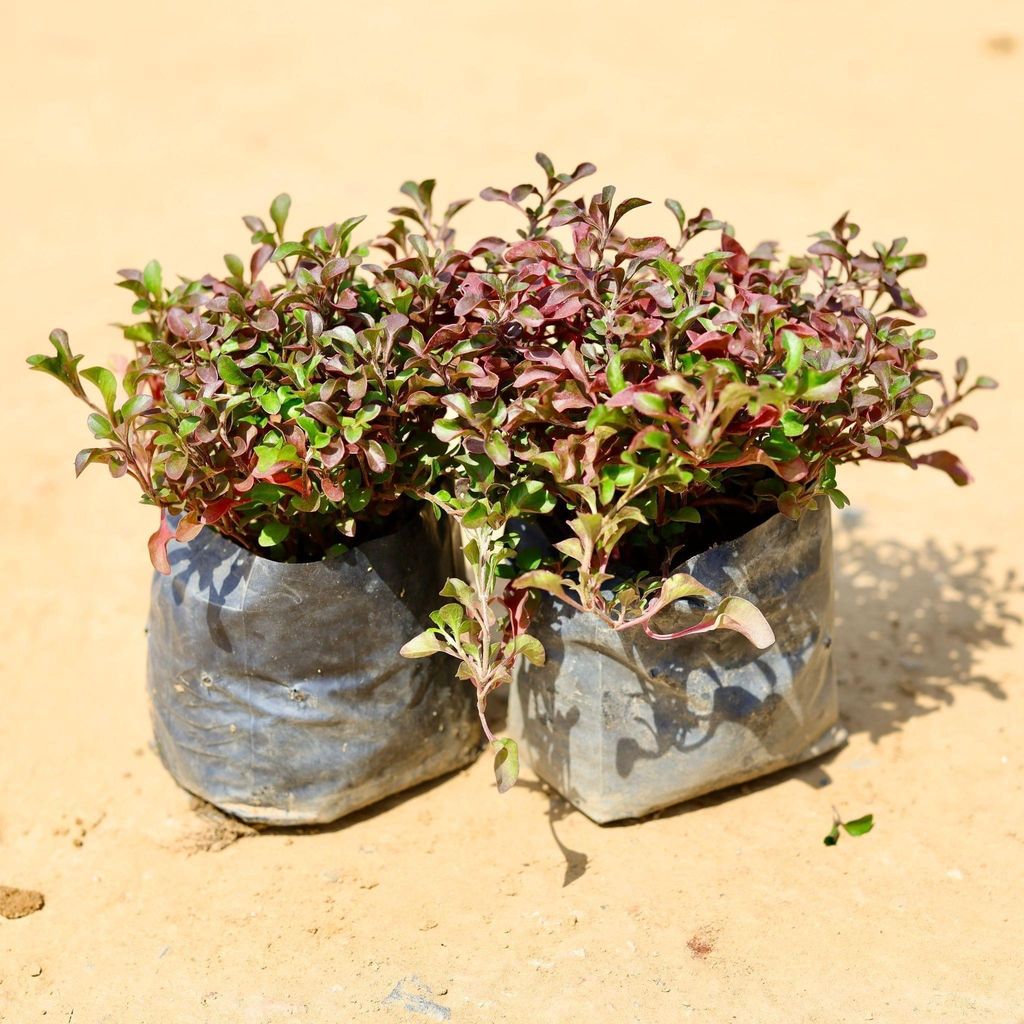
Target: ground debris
214,830
415,996
701,944
19,902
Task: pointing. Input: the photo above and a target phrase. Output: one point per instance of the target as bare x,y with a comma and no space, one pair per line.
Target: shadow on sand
914,622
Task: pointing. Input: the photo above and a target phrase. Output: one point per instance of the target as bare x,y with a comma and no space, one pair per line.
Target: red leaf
792,471
710,344
568,308
767,417
158,545
189,527
218,509
631,395
574,362
519,612
643,248
529,377
739,261
259,259
282,479
949,464
531,250
179,322
331,489
265,320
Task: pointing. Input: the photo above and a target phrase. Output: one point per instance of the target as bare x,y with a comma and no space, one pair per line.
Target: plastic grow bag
277,691
623,725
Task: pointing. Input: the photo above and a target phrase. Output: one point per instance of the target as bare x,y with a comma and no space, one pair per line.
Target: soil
134,133
19,902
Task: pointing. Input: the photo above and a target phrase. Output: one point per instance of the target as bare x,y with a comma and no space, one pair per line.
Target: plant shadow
913,622
558,809
576,861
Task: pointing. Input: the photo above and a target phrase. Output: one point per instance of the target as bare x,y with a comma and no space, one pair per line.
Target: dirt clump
701,945
19,902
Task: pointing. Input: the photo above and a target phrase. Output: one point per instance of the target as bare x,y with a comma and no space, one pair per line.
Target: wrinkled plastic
277,691
623,725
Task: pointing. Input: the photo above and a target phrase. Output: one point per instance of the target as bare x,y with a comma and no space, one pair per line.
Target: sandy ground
137,130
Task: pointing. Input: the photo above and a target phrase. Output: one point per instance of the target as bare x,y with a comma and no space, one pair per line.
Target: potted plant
664,433
277,423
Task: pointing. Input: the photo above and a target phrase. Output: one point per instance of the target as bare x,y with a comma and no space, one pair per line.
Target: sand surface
133,130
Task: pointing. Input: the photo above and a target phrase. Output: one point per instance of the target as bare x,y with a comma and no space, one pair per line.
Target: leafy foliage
277,413
632,399
639,403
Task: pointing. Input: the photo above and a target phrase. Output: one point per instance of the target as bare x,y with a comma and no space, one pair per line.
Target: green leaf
986,383
857,827
822,386
677,211
898,383
681,585
423,645
506,764
921,404
286,249
793,345
529,647
271,454
530,496
458,589
107,384
230,372
546,165
135,406
140,332
649,404
271,402
100,426
450,616
740,615
357,497
529,558
777,447
614,374
88,456
652,437
497,450
860,826
541,579
279,211
793,423
272,534
529,316
475,515
153,279
686,515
